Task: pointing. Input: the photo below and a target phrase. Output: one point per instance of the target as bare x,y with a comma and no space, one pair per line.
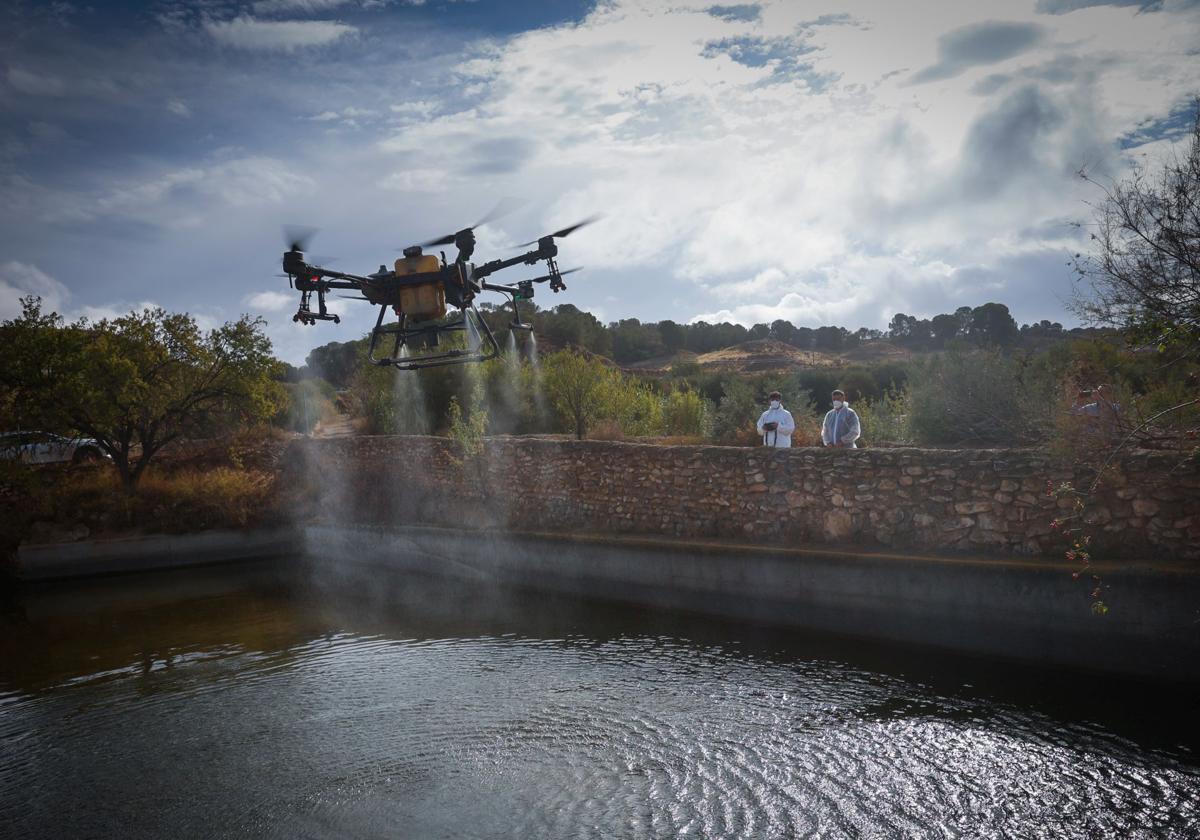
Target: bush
733,421
193,500
886,420
975,397
636,408
685,412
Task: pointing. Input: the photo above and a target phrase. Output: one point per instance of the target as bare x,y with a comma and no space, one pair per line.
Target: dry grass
606,430
191,500
227,483
764,355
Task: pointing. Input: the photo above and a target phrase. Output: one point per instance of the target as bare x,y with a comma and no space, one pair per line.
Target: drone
431,298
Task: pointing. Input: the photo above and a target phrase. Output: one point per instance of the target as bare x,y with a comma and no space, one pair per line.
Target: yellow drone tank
423,301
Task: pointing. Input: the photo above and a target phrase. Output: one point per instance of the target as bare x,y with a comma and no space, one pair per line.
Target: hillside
767,355
764,355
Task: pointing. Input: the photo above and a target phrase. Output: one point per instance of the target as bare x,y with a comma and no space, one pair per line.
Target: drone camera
524,290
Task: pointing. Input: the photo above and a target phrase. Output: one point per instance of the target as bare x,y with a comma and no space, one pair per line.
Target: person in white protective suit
841,427
776,424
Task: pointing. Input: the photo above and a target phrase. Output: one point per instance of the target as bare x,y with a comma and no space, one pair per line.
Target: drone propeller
546,277
353,297
567,231
297,237
503,207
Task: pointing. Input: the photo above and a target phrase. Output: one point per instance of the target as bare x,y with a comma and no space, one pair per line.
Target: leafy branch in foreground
1144,273
1079,542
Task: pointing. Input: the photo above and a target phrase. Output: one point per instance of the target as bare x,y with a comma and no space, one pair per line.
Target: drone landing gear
305,315
412,344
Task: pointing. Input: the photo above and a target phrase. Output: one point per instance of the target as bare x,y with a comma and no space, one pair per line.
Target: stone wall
965,500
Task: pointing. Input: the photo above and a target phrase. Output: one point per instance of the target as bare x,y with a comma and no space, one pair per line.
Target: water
222,703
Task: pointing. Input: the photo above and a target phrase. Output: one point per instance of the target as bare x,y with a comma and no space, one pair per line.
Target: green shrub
886,420
739,408
685,412
632,404
975,397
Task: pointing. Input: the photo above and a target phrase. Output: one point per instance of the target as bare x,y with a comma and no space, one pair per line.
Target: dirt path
341,427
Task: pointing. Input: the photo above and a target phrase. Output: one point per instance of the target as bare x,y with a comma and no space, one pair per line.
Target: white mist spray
473,337
411,417
506,409
535,367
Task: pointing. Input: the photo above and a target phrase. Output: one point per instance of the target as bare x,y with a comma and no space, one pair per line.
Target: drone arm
352,281
545,250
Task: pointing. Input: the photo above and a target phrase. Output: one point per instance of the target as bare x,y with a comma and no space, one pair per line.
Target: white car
48,448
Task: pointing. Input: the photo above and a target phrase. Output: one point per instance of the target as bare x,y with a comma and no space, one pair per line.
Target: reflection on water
214,703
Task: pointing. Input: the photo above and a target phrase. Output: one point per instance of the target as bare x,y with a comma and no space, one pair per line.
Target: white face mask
838,403
774,403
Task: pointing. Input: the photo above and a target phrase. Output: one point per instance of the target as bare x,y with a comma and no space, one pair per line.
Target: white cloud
179,108
249,33
270,301
18,280
111,311
788,164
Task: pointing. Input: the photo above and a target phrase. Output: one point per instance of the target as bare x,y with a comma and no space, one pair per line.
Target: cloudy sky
824,162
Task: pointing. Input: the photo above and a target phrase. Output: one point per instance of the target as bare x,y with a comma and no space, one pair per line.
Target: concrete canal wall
1022,609
57,561
976,501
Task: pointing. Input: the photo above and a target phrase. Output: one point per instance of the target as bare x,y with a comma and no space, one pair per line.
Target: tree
138,382
901,326
567,324
944,327
993,326
829,338
335,362
784,331
674,336
633,341
576,386
1145,273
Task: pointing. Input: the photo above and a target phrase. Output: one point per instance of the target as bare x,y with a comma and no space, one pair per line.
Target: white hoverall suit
841,426
781,436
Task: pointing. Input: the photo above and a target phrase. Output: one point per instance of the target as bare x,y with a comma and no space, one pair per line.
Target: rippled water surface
221,703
